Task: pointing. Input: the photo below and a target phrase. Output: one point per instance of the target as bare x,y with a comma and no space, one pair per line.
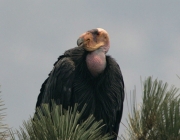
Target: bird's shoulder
73,54
112,65
61,76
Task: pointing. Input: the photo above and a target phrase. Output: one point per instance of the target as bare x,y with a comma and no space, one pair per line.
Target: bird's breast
96,63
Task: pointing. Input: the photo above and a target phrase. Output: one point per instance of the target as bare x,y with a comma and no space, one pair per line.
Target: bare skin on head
96,42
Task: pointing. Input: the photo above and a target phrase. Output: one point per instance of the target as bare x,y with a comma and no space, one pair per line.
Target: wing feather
111,91
59,83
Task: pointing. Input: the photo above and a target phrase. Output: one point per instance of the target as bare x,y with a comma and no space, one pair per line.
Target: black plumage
71,82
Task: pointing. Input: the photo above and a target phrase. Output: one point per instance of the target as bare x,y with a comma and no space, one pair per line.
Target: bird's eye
87,40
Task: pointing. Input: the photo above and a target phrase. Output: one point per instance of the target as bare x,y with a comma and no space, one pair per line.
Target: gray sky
145,41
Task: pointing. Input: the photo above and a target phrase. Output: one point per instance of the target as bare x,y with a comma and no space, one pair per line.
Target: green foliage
3,127
157,118
60,124
159,115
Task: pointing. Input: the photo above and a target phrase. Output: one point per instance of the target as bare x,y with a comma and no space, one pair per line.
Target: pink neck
96,62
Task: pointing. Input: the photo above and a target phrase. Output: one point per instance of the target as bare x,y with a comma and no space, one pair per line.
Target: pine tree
60,124
159,115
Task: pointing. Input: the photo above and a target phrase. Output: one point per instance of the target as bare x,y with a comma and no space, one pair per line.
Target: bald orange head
94,39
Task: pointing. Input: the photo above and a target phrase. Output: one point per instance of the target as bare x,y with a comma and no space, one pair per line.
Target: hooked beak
87,45
89,41
80,41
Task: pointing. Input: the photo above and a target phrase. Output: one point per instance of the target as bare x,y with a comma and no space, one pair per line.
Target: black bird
86,75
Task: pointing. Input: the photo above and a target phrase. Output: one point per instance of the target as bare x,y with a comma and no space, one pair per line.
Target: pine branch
159,115
4,133
61,124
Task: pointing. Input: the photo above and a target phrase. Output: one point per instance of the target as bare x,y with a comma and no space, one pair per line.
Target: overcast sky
144,35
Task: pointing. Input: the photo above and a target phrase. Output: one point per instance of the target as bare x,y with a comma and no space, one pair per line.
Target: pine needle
159,115
60,124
